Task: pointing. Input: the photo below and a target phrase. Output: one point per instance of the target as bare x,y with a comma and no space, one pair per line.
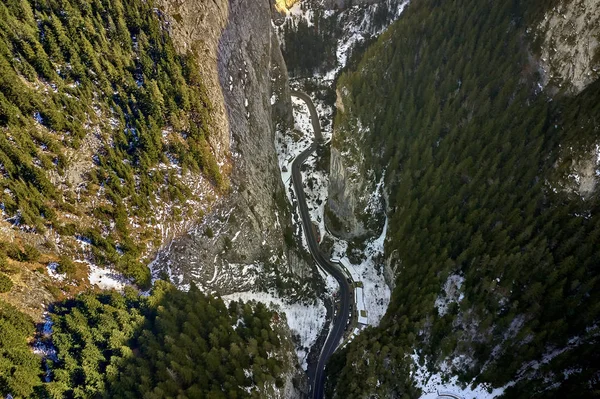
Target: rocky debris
245,70
570,51
30,293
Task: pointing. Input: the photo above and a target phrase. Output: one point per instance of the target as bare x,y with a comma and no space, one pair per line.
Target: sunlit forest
68,67
169,344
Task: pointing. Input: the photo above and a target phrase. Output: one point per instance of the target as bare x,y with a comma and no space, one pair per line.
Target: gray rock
243,67
352,209
570,51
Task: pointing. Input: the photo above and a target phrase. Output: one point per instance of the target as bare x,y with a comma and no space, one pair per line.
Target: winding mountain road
340,319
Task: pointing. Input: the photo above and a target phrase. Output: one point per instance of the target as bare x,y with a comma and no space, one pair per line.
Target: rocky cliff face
240,240
196,26
570,51
354,207
243,68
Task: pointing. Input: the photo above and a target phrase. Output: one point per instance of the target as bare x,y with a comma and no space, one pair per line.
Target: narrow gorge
299,199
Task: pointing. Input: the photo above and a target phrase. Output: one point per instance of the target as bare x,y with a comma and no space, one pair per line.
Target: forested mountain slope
102,123
124,124
168,344
127,124
492,237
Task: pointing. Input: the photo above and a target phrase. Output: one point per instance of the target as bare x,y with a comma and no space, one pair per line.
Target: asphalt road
314,116
340,319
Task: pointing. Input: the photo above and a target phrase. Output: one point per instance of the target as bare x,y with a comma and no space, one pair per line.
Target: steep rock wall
570,45
243,68
351,210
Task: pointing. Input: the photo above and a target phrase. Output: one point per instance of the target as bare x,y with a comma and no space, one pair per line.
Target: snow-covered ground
331,285
43,346
372,298
432,383
102,277
289,144
52,271
375,292
325,112
451,293
107,279
358,26
316,184
296,12
304,320
375,295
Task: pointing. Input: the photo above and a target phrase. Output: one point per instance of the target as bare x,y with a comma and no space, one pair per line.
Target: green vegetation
99,77
66,266
193,345
169,344
6,283
318,40
20,369
469,146
30,253
4,267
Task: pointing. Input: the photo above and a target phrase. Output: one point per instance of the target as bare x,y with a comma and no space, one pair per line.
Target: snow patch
107,279
51,268
358,25
369,273
433,385
44,348
450,294
304,320
316,187
290,144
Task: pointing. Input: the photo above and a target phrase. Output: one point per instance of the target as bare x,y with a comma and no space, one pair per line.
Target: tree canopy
470,147
102,78
168,344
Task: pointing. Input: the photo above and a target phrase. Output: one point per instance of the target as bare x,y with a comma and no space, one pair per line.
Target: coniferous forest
473,157
478,160
66,67
168,344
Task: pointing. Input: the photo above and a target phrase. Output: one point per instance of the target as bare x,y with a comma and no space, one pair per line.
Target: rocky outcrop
577,171
196,25
239,241
243,69
570,51
355,207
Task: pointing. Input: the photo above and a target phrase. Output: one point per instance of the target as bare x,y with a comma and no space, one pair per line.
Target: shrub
6,283
13,252
3,261
66,266
31,253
